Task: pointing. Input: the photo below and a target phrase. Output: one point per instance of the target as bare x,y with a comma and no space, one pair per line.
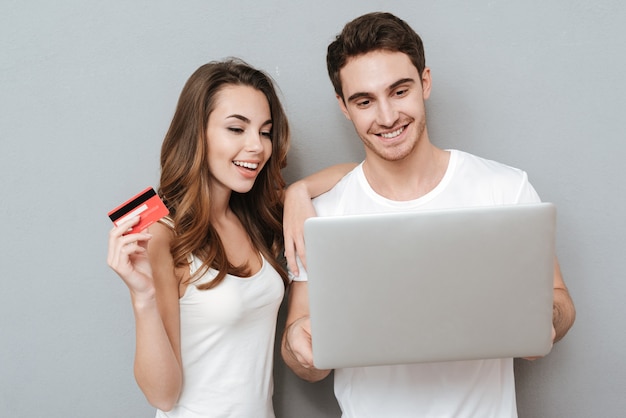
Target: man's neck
408,179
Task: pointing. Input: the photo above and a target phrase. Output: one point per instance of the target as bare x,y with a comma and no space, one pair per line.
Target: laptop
431,286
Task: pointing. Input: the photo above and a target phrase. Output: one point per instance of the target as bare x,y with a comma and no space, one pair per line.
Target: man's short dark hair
372,32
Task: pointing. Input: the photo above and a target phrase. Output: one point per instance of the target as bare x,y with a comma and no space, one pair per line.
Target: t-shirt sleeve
527,193
302,277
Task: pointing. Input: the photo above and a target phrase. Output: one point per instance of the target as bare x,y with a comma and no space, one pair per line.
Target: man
378,70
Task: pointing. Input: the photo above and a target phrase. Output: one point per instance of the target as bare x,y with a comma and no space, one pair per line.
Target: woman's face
239,138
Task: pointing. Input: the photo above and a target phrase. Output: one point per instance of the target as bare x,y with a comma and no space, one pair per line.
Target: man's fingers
290,255
301,250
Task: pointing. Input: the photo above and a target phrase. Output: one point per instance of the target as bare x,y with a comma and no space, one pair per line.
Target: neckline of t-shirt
407,204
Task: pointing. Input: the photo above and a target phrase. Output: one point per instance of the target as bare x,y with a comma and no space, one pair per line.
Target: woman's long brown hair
184,184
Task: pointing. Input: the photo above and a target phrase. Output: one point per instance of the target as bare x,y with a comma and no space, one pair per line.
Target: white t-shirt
227,346
477,388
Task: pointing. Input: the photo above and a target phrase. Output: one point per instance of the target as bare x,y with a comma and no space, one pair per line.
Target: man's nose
387,114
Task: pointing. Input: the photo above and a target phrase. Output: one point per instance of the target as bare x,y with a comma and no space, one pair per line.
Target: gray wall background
87,90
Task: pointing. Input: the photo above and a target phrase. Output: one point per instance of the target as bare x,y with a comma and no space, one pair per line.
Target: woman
205,282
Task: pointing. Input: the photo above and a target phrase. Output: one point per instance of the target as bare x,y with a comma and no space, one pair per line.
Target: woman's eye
267,134
235,130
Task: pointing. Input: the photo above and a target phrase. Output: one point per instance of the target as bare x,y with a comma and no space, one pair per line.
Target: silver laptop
429,286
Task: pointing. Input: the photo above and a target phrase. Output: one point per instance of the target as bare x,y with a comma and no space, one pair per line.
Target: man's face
384,98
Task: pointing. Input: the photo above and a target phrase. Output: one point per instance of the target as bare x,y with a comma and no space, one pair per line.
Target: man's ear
426,83
342,106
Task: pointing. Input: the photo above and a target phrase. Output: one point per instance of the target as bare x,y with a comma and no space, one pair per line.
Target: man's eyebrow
400,82
356,96
359,95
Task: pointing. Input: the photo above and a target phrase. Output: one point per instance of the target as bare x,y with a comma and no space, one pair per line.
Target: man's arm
296,346
563,311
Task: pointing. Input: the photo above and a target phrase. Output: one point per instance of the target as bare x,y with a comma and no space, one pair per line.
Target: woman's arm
298,208
148,272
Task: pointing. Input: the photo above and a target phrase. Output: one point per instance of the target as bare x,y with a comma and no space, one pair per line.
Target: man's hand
298,342
298,208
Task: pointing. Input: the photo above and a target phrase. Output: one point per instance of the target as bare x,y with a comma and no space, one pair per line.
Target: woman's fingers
122,247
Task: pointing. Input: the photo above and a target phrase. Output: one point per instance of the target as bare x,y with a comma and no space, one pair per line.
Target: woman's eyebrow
240,117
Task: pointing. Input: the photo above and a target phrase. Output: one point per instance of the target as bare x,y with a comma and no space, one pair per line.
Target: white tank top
227,345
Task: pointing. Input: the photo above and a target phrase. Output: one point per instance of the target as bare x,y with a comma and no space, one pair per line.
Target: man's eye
401,92
363,103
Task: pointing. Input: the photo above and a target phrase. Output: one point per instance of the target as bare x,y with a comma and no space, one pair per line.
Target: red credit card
147,205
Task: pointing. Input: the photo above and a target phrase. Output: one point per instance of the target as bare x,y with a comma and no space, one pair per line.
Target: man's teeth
251,166
392,134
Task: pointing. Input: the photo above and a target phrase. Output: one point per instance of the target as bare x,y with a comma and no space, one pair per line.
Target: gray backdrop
87,90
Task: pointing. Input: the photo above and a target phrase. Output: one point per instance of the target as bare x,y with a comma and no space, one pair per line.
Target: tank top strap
194,262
